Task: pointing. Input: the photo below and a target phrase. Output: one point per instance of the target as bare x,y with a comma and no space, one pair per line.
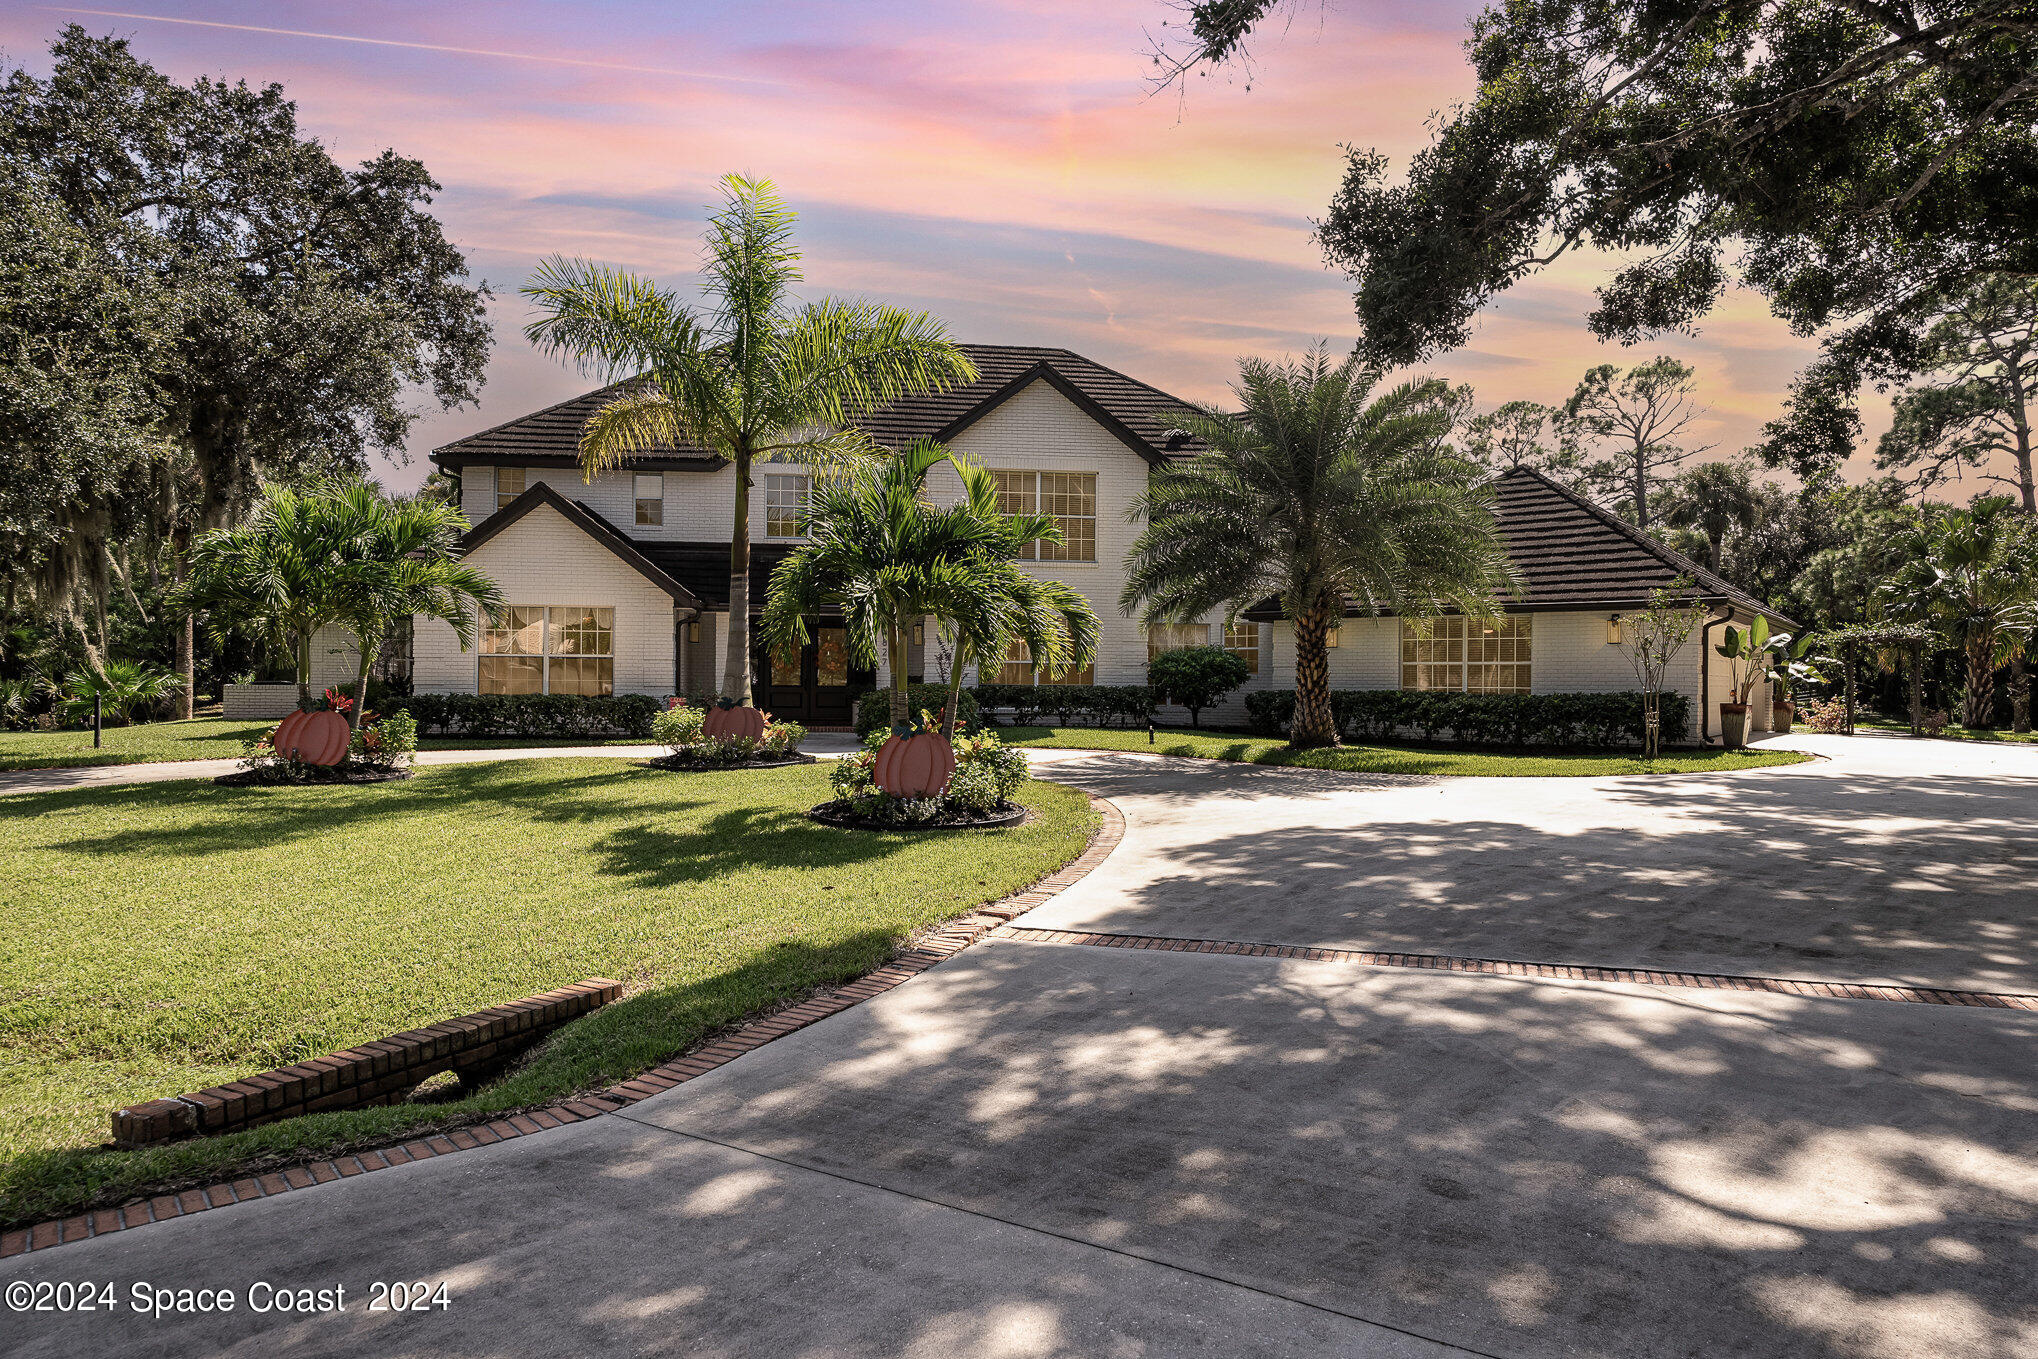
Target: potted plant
1753,655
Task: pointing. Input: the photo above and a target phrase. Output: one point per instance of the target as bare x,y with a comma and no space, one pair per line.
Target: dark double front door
814,685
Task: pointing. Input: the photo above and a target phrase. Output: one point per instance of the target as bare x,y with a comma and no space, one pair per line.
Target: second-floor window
1071,497
509,484
785,503
650,492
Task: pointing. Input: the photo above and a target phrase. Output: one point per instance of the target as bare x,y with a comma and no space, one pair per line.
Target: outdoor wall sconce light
693,632
1613,629
919,634
1333,637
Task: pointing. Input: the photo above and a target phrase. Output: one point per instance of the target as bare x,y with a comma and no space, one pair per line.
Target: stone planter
1733,725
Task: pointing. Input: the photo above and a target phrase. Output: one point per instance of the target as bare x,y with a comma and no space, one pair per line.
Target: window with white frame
649,489
509,484
549,649
1471,657
785,503
1019,669
1175,636
1070,497
1243,641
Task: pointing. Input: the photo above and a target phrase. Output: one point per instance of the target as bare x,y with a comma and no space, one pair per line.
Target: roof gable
588,522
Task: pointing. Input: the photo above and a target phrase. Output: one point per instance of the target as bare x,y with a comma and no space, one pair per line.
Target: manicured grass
210,738
1952,732
1394,759
166,937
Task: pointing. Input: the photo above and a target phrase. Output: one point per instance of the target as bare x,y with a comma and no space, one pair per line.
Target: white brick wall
543,559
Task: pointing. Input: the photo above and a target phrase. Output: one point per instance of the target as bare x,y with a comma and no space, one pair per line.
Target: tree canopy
260,312
1844,157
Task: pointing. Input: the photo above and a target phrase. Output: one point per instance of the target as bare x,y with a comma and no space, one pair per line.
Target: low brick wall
381,1072
257,702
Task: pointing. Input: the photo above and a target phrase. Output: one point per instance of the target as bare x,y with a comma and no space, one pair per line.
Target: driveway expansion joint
1501,967
939,945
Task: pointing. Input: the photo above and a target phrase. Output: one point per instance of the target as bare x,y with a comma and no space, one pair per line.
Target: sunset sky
1000,164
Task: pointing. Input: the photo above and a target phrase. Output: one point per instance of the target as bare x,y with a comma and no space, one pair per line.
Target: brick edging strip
937,945
1499,967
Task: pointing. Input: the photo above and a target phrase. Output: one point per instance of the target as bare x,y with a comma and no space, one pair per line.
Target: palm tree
123,689
883,555
399,562
271,576
1325,498
1972,573
754,376
1712,500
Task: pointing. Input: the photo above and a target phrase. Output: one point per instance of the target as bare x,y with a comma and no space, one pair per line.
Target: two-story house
621,584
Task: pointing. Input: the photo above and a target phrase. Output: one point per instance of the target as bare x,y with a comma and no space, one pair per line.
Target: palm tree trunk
2020,695
370,647
304,665
895,660
955,660
736,664
1979,709
1313,725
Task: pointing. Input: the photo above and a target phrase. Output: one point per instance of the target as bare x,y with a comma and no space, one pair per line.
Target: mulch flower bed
686,763
285,778
838,814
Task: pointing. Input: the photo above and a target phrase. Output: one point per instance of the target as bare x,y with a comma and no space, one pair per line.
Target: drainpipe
1705,654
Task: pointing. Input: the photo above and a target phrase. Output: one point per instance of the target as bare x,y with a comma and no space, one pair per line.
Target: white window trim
636,499
764,517
544,655
1094,517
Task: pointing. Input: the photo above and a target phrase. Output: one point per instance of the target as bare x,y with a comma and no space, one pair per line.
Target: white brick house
621,584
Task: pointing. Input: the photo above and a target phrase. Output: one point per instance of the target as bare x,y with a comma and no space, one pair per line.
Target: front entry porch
815,685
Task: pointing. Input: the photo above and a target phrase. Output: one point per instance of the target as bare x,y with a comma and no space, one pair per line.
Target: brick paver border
938,944
1500,967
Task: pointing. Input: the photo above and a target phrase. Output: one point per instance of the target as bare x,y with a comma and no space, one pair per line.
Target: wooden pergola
1886,641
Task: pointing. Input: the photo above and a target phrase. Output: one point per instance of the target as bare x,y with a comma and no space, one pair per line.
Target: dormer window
509,484
650,491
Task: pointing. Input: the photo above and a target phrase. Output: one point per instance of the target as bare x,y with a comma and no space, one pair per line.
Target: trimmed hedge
532,714
874,709
1095,704
1478,719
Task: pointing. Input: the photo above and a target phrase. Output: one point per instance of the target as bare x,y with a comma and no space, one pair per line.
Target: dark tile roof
703,567
551,438
1573,555
1131,410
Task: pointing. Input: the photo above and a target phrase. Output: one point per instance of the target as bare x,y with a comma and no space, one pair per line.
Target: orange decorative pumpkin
727,723
915,765
313,738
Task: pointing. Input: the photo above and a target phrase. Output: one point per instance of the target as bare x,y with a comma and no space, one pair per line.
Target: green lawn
165,937
209,738
1951,733
1393,759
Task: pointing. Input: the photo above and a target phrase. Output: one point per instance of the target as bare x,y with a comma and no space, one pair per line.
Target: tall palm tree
399,562
879,551
753,376
1974,574
1712,500
272,576
1320,495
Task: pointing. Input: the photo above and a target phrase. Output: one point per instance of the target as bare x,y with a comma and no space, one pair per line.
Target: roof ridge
532,415
1662,551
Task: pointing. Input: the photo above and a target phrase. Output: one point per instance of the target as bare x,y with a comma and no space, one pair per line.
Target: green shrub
1070,704
1477,719
532,714
678,726
386,743
1196,677
874,709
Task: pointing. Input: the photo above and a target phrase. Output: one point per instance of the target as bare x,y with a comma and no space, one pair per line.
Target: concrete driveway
1049,1149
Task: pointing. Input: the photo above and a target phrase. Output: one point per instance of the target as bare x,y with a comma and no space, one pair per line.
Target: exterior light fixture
1333,637
1613,629
693,632
919,634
